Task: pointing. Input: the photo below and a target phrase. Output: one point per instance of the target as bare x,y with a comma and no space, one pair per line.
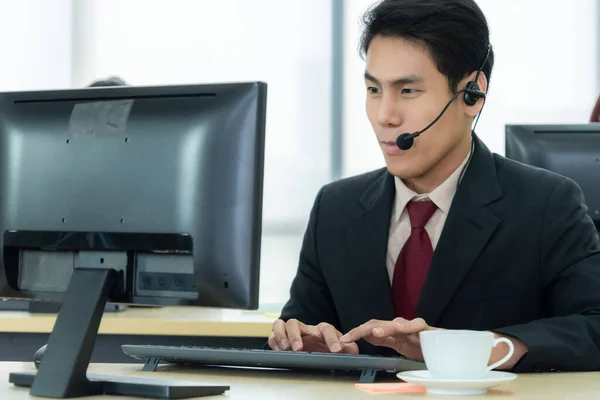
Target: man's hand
403,336
297,336
400,334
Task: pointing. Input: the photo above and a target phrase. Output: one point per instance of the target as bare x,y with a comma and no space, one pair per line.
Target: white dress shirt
400,227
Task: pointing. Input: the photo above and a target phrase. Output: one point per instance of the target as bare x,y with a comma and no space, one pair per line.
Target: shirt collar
442,196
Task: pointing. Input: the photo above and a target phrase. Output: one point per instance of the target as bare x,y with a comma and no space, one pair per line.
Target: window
35,38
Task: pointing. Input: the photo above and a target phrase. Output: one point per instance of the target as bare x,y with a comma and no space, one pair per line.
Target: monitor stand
63,371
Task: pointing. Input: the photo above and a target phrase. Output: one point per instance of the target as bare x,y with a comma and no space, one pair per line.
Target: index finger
400,326
361,331
413,326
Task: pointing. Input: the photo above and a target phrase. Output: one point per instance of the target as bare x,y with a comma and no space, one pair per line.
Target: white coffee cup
460,354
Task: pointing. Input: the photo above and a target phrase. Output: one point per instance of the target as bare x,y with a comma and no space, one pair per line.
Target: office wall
546,71
35,37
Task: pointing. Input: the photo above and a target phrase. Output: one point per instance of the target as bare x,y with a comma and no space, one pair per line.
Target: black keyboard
211,356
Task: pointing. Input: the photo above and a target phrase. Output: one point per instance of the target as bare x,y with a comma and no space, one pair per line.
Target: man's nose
389,112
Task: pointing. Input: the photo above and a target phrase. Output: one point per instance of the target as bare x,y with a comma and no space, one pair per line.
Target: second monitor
569,150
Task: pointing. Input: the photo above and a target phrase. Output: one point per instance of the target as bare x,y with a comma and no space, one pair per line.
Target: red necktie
413,262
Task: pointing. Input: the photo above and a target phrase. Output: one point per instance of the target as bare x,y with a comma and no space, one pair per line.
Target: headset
472,93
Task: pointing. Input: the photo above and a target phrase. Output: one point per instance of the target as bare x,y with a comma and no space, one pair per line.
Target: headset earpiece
472,93
472,90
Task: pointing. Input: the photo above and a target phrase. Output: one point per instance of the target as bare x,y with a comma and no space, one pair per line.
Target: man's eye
409,91
373,90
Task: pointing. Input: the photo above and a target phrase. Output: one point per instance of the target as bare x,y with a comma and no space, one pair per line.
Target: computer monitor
569,150
141,195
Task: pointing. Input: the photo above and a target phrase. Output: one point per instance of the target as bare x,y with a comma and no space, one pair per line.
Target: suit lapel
468,229
366,238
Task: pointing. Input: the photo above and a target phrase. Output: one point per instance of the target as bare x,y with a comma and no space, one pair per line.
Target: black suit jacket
518,255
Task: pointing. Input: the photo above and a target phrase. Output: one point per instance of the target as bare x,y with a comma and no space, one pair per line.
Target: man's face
405,93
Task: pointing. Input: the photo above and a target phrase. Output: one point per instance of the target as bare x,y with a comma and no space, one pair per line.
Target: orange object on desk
400,387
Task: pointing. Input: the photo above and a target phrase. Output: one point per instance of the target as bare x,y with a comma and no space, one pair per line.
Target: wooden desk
175,321
267,385
22,333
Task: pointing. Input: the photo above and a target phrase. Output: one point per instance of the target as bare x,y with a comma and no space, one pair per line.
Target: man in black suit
449,235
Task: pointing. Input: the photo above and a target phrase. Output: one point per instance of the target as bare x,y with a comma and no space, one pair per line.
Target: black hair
455,32
111,81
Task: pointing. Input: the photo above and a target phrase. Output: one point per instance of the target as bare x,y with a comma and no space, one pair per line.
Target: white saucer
456,386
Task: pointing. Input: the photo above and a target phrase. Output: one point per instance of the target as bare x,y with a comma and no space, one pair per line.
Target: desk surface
267,385
181,321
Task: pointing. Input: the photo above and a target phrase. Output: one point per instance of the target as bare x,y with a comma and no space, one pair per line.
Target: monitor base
151,389
62,371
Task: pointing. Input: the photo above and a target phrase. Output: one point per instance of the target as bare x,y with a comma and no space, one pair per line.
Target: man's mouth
389,147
